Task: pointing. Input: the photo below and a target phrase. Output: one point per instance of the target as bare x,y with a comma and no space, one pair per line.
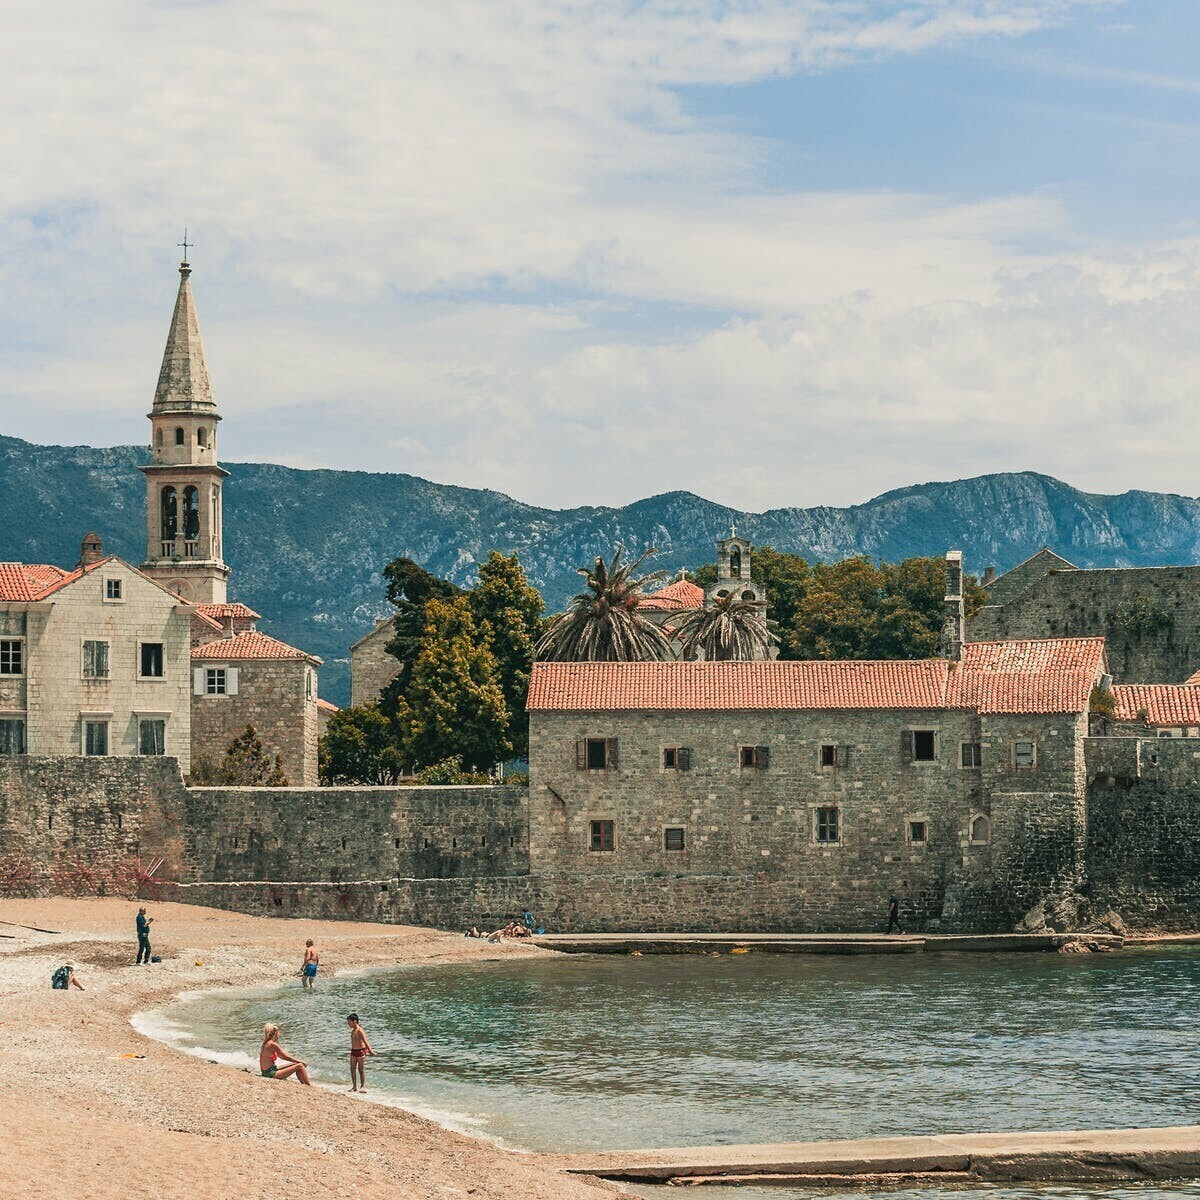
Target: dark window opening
829,756
179,436
924,742
112,589
454,843
11,657
396,843
669,758
827,824
755,757
152,660
918,832
343,843
673,839
152,736
191,514
676,758
735,563
12,735
972,754
426,843
483,841
601,835
170,514
597,754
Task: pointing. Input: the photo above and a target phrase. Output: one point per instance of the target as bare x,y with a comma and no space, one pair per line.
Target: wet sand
76,1118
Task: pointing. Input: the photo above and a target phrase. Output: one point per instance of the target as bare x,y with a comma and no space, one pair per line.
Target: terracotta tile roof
326,706
1043,675
994,677
238,612
681,594
1193,679
696,686
23,581
1172,704
246,646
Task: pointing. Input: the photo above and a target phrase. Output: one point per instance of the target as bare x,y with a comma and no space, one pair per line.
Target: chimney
989,576
91,549
955,612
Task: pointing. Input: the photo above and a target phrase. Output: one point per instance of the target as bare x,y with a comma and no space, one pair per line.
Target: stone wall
371,666
279,698
1143,830
76,826
1150,617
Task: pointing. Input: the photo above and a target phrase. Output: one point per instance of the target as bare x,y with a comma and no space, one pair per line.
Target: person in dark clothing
894,915
143,933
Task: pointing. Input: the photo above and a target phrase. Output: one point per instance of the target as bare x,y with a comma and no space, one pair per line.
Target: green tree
409,587
360,745
245,764
505,601
602,624
450,771
454,703
728,628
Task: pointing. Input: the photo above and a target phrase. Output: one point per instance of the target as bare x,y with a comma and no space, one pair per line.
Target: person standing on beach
308,968
894,915
359,1049
143,936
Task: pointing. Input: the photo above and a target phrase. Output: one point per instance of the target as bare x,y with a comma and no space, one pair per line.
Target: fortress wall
1150,617
1143,830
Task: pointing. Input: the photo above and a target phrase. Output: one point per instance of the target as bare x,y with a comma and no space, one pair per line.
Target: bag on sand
61,979
155,958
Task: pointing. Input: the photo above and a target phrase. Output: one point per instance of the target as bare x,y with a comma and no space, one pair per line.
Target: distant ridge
306,547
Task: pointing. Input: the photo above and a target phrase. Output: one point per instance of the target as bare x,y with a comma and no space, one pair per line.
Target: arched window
748,596
735,563
980,830
201,440
170,514
179,435
191,514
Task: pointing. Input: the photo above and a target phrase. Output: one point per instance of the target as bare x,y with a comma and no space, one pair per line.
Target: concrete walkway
1068,1157
813,943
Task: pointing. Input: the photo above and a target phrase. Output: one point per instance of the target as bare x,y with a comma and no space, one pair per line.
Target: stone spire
183,384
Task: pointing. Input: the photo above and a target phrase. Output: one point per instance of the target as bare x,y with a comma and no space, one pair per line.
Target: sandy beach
77,1118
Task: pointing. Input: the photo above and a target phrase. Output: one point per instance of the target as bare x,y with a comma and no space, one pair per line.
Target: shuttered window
596,754
676,758
757,758
95,660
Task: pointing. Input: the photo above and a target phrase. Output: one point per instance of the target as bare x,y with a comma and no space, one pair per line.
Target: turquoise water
580,1053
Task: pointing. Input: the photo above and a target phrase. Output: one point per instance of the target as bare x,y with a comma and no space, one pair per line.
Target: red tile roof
1047,675
248,645
1193,679
325,706
237,612
1173,704
994,677
23,581
680,594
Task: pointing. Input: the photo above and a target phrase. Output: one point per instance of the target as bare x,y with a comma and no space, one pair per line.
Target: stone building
843,781
94,661
1148,616
372,668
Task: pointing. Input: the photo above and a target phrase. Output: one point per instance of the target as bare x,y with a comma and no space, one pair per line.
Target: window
918,832
1024,754
158,438
980,830
676,758
152,736
308,685
95,737
11,658
596,754
215,681
972,755
828,825
95,660
169,508
829,756
756,758
673,839
201,439
918,745
151,660
12,735
179,437
601,836
735,563
112,589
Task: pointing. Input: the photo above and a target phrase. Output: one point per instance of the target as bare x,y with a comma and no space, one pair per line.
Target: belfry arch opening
735,562
179,435
191,514
168,506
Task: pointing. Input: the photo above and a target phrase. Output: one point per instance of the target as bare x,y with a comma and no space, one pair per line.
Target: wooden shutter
231,681
843,756
610,754
762,757
906,745
683,758
197,681
581,754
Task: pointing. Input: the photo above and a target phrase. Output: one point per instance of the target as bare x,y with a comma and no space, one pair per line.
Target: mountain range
307,547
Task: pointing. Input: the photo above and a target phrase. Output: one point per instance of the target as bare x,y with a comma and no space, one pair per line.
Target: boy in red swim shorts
359,1049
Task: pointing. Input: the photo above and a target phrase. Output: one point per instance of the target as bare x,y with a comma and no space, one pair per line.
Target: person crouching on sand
272,1053
359,1049
308,969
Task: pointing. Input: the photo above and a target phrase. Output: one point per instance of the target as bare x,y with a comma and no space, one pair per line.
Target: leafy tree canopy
245,764
409,587
361,745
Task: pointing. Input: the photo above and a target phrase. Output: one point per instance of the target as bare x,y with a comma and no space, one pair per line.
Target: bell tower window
179,435
201,438
735,563
170,515
158,439
191,517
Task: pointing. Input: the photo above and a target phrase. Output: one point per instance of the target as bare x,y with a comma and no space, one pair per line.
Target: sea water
608,1052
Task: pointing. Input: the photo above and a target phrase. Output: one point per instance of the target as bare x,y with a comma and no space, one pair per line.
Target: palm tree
602,623
728,628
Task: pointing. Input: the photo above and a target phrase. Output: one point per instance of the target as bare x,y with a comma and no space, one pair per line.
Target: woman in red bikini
272,1053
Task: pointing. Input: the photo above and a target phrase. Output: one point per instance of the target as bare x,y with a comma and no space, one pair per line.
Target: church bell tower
183,480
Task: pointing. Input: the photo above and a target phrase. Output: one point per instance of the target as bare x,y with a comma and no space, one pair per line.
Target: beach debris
740,950
635,954
199,962
129,1054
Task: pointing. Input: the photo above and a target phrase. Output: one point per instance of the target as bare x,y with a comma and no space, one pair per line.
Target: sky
775,252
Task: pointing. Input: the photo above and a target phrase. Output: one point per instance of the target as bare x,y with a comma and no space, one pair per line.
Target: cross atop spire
185,244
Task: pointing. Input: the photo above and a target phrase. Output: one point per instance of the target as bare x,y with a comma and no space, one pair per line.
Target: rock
1110,922
1034,921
